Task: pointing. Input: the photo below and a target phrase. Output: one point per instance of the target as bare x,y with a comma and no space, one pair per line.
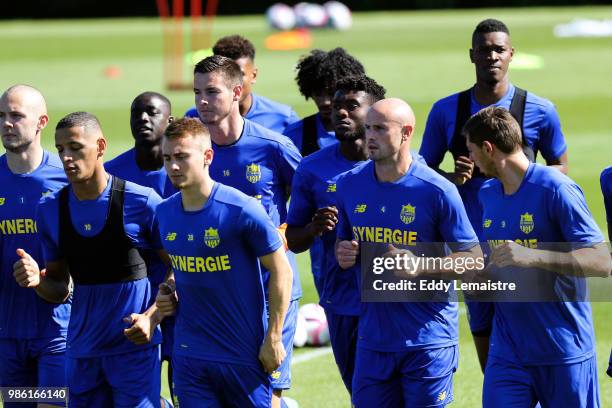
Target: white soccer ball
340,16
281,17
316,324
310,15
301,333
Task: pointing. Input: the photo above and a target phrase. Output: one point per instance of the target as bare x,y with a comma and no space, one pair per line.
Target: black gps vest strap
109,257
309,135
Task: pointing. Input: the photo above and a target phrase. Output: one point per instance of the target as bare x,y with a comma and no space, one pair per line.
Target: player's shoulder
120,161
606,176
272,106
535,101
446,104
430,177
547,177
359,173
264,135
54,162
294,128
233,198
320,157
141,194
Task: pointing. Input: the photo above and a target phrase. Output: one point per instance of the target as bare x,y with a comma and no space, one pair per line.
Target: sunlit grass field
418,56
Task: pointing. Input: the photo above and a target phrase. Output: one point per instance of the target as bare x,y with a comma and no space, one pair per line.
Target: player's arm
52,284
591,261
458,265
143,324
272,351
301,238
560,163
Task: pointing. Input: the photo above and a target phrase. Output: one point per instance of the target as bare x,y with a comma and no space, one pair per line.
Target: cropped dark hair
490,25
185,127
234,47
362,83
495,125
79,119
319,71
224,65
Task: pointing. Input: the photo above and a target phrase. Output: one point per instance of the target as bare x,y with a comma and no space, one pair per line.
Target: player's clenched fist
166,299
26,271
464,168
346,253
271,354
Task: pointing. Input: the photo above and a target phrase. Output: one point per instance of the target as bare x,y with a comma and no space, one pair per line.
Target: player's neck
245,104
228,130
511,172
195,197
490,93
392,169
354,150
148,158
91,188
26,161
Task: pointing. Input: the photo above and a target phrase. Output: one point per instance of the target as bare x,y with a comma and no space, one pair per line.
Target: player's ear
43,120
208,156
170,119
237,92
254,75
472,55
101,142
511,53
487,147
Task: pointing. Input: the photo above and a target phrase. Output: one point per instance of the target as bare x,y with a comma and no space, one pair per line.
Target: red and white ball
310,15
281,17
339,15
317,330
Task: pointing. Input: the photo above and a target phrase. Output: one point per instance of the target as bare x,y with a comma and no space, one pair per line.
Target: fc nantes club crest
526,223
408,213
253,172
211,237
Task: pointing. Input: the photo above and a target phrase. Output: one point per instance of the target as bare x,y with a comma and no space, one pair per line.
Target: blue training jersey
261,164
324,138
548,207
606,190
214,251
265,112
125,167
23,314
314,186
96,323
420,207
541,127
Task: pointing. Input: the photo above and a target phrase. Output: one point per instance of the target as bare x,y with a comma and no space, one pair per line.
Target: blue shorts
569,385
32,363
418,378
208,384
480,317
123,380
343,336
281,378
167,329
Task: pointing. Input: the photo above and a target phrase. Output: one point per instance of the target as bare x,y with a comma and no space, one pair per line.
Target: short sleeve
343,228
301,208
47,222
258,229
288,159
434,145
574,219
455,227
551,140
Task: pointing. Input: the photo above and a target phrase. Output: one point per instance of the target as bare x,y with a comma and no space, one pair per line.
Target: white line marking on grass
311,355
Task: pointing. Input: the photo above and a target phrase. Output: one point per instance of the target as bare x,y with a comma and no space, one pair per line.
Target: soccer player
226,350
32,331
606,190
313,214
550,357
252,159
491,54
406,351
150,114
263,111
317,74
91,231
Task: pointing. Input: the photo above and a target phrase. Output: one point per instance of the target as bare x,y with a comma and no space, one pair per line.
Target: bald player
32,331
91,233
406,352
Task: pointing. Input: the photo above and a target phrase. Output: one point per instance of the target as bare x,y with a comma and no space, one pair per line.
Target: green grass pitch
418,56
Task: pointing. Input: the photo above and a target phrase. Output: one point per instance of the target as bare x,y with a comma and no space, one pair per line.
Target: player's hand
510,253
166,299
393,253
141,330
464,168
26,271
271,354
324,220
346,253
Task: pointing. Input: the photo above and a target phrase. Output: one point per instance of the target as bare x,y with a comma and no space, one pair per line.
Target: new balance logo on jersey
442,396
47,193
360,208
486,223
171,236
2,199
331,188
